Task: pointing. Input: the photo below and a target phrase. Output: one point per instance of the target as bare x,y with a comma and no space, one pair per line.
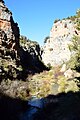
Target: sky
35,18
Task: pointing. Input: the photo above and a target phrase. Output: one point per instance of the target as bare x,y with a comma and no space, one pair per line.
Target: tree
46,38
74,61
78,19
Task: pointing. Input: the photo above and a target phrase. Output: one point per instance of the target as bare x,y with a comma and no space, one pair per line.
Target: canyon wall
18,58
55,49
9,44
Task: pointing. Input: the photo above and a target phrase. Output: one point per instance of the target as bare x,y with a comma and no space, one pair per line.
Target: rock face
18,57
55,50
30,55
8,27
16,60
9,44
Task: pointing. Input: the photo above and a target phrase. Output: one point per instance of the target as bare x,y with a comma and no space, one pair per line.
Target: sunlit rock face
8,26
9,43
55,50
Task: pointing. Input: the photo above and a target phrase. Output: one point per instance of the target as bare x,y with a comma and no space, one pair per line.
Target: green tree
46,38
74,62
78,19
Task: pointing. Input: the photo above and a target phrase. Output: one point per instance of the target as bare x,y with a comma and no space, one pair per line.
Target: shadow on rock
31,64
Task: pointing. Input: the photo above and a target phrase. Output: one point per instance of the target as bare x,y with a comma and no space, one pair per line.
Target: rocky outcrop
55,50
18,56
9,44
9,28
30,56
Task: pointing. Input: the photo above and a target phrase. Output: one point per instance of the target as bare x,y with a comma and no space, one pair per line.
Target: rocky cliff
55,50
9,44
30,55
18,56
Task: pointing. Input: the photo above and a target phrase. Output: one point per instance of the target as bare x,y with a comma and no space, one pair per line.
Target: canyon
35,82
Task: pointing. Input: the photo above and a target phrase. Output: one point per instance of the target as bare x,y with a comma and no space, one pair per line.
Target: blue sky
35,17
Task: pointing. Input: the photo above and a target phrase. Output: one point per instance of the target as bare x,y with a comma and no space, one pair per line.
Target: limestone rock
9,44
8,26
63,69
55,50
71,74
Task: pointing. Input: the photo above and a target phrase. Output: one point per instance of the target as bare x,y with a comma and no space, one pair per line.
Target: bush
74,62
49,66
55,21
46,38
66,86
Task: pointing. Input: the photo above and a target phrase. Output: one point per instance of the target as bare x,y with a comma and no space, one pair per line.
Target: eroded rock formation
9,44
9,27
55,50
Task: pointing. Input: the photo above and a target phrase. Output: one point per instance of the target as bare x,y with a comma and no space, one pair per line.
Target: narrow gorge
39,83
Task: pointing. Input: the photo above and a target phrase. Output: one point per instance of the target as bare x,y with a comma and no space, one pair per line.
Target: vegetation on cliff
74,62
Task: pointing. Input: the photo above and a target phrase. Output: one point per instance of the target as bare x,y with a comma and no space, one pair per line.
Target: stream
35,105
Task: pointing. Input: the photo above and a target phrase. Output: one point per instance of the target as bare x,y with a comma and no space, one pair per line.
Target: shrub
62,83
49,66
66,86
55,21
74,62
72,86
46,38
